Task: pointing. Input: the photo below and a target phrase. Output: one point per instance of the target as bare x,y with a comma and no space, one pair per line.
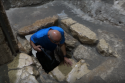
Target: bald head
55,35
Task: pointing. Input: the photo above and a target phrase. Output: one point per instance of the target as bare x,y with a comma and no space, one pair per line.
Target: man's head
54,36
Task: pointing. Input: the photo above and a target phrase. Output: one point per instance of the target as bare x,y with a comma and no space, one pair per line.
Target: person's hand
37,48
67,61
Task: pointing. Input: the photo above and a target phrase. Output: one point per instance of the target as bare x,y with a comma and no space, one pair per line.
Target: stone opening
69,25
106,26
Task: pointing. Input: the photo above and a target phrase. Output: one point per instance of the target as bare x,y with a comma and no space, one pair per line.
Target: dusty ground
103,69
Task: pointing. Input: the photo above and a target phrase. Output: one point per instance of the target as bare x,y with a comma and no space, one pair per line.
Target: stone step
70,74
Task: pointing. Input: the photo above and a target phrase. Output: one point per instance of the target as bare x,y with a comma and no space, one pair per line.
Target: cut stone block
105,49
81,52
77,72
84,34
62,70
20,61
43,23
56,73
70,74
65,23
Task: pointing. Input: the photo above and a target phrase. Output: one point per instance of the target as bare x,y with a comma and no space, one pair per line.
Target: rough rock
29,79
24,75
70,41
69,54
59,72
20,61
81,52
46,78
66,23
14,76
105,49
77,72
84,34
37,64
39,24
24,45
21,70
31,70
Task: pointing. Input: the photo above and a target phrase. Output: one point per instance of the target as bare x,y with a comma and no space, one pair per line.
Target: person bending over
48,39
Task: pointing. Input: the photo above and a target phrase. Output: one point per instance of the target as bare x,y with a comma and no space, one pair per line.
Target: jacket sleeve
63,38
34,38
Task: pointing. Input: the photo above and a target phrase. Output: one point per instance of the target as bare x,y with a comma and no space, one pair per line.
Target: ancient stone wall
21,3
98,11
5,53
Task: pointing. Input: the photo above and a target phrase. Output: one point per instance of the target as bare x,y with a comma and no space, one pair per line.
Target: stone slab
77,72
66,23
61,71
39,24
83,33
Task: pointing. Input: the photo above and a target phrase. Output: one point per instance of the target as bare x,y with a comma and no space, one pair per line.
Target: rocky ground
96,50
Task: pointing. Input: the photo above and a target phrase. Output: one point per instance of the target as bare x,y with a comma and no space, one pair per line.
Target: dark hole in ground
46,63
